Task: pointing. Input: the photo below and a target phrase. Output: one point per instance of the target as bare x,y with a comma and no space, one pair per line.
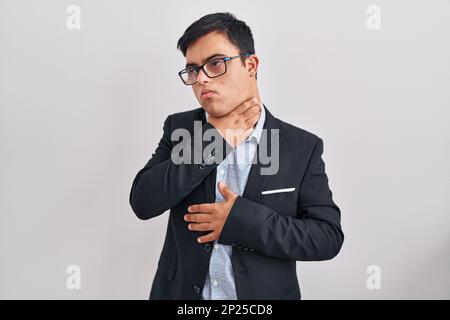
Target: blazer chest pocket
282,200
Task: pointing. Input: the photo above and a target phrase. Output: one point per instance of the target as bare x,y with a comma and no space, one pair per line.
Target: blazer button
207,247
196,288
202,166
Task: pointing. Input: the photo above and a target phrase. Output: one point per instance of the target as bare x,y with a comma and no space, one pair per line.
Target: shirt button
222,171
216,247
196,288
215,283
207,247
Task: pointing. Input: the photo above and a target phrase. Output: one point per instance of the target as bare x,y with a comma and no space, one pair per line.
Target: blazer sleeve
161,184
314,234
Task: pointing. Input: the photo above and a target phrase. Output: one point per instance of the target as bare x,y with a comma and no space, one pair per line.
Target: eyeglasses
213,69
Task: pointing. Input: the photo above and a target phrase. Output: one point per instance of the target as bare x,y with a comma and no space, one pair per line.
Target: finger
197,217
203,207
208,238
249,123
245,105
225,190
251,112
200,227
250,109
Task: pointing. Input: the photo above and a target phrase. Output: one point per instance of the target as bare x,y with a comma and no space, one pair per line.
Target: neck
255,93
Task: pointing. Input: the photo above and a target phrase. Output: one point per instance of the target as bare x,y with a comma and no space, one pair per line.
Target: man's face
231,88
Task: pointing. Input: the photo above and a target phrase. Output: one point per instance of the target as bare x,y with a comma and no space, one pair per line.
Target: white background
81,111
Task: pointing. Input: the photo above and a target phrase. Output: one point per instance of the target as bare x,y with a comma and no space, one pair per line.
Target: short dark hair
237,31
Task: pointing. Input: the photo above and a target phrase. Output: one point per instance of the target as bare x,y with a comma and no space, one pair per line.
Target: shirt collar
256,133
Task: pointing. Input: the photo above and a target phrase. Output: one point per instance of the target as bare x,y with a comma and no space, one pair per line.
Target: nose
202,77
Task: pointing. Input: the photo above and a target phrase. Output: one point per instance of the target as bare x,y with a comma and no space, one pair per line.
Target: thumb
225,190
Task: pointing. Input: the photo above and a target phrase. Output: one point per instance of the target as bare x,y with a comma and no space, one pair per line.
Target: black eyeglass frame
224,59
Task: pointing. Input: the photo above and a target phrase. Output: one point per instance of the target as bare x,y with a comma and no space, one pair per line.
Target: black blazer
268,232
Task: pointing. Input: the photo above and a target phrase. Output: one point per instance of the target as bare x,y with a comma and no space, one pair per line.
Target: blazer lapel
209,186
256,181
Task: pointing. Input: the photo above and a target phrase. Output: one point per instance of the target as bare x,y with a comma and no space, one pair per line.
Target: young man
234,232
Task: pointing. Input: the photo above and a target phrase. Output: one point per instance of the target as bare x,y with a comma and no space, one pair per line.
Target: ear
252,65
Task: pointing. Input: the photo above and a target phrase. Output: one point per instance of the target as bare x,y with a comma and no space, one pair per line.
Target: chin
214,110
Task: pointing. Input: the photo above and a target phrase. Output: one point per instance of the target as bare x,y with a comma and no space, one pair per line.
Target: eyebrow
209,58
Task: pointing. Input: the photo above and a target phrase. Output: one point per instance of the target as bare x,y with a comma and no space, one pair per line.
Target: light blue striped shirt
233,170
